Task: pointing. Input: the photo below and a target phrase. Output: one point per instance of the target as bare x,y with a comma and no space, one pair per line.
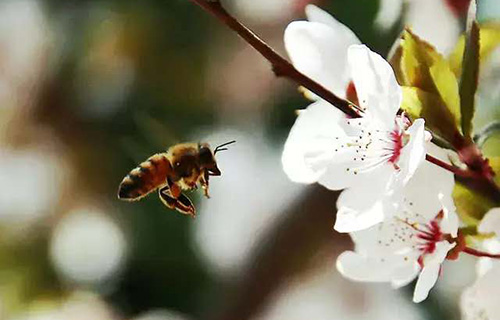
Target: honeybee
181,168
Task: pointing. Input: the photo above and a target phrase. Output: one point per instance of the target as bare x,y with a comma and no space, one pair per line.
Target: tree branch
281,67
478,253
456,171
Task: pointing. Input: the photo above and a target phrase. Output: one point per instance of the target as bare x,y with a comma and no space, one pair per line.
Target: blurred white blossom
480,300
88,247
78,306
388,13
326,296
160,314
433,20
244,202
264,11
32,181
24,41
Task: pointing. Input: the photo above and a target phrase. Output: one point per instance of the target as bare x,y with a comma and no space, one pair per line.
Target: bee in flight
181,168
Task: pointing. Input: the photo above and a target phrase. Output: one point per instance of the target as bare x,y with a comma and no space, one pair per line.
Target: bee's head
207,157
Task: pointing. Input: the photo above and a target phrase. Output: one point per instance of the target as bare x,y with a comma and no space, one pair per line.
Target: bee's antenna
221,147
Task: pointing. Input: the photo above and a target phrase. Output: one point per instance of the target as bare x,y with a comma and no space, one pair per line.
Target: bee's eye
205,155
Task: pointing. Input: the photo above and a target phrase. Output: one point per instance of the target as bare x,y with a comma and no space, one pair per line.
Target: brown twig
455,170
478,253
470,178
281,67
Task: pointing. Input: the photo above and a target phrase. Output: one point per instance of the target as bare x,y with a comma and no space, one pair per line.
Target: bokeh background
88,89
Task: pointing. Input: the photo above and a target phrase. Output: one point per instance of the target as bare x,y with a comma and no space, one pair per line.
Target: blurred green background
88,89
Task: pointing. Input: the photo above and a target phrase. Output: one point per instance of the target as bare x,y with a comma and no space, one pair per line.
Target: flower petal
318,121
430,272
364,205
388,269
320,52
413,154
480,301
490,222
346,169
376,85
404,275
316,14
435,185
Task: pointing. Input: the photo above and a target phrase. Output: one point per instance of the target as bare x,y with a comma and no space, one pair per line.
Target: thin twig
455,170
472,179
280,66
478,253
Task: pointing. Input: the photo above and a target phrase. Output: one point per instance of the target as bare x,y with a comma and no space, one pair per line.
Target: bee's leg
204,183
175,189
185,206
166,197
181,204
214,171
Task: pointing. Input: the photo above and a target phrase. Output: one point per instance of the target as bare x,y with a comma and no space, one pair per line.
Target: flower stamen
429,234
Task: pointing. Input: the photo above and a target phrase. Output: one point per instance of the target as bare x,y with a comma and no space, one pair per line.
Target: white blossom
413,242
318,48
491,223
381,147
480,300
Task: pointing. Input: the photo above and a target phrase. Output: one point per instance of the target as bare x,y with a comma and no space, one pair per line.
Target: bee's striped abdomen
148,176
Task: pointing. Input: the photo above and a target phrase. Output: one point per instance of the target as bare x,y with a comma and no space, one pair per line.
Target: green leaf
447,87
491,148
471,205
417,57
495,165
455,58
489,35
469,79
431,86
430,106
395,57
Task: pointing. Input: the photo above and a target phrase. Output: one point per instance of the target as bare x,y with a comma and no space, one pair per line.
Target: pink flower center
459,7
429,234
397,140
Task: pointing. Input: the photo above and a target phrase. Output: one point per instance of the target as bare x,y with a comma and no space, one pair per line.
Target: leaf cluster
443,91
